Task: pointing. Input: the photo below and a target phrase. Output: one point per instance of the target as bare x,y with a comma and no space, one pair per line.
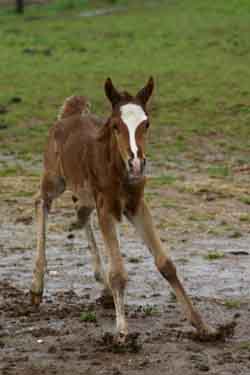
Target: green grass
150,310
213,255
245,218
201,216
11,171
89,316
218,171
232,304
173,296
159,181
245,199
134,259
244,345
198,52
24,194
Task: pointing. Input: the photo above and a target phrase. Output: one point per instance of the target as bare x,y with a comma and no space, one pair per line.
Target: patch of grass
213,255
235,234
150,310
201,216
232,304
245,218
173,296
245,199
156,182
244,345
168,203
216,231
133,259
88,316
11,171
63,5
24,194
218,171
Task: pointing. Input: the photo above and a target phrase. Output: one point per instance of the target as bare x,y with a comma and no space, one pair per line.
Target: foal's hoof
121,339
219,334
36,298
121,342
106,301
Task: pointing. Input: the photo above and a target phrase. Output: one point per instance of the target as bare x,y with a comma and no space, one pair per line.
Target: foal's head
129,123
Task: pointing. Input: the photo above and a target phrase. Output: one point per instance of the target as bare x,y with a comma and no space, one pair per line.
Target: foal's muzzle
136,168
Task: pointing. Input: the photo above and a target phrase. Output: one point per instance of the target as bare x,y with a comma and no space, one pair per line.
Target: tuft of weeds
232,304
156,182
244,345
245,199
201,216
88,316
245,218
150,310
24,194
235,234
135,259
12,171
215,231
169,204
173,296
218,171
213,255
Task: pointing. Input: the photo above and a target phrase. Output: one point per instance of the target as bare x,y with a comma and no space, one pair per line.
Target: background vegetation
198,52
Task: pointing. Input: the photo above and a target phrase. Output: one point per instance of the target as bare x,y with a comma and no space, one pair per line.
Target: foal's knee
166,268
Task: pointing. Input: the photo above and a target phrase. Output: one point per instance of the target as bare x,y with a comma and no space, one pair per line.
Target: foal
103,164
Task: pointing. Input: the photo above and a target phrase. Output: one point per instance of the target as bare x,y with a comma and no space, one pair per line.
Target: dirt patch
54,340
57,339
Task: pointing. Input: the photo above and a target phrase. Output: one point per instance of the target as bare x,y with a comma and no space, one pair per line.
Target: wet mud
72,333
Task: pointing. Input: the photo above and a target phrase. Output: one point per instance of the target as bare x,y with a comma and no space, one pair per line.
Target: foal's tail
74,105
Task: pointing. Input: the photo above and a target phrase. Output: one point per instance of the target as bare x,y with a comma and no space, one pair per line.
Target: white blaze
132,115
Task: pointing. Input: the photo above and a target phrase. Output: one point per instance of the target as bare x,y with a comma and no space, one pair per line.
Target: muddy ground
68,334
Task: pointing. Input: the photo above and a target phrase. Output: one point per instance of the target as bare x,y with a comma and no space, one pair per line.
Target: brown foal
103,164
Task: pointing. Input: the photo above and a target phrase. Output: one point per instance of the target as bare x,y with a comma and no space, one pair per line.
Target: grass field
198,53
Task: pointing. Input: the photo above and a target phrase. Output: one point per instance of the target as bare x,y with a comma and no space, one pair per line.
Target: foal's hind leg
144,225
51,187
106,298
84,220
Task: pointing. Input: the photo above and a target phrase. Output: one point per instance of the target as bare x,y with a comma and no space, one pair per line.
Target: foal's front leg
143,222
36,290
116,275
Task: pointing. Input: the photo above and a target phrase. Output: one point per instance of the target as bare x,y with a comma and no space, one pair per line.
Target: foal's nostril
130,163
143,165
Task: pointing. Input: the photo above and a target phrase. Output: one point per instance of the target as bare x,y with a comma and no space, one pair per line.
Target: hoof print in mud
113,343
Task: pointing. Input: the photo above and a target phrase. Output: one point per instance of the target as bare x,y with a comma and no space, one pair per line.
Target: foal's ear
144,94
111,92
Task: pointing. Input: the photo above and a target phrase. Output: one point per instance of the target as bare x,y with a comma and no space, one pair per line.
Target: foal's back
70,141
